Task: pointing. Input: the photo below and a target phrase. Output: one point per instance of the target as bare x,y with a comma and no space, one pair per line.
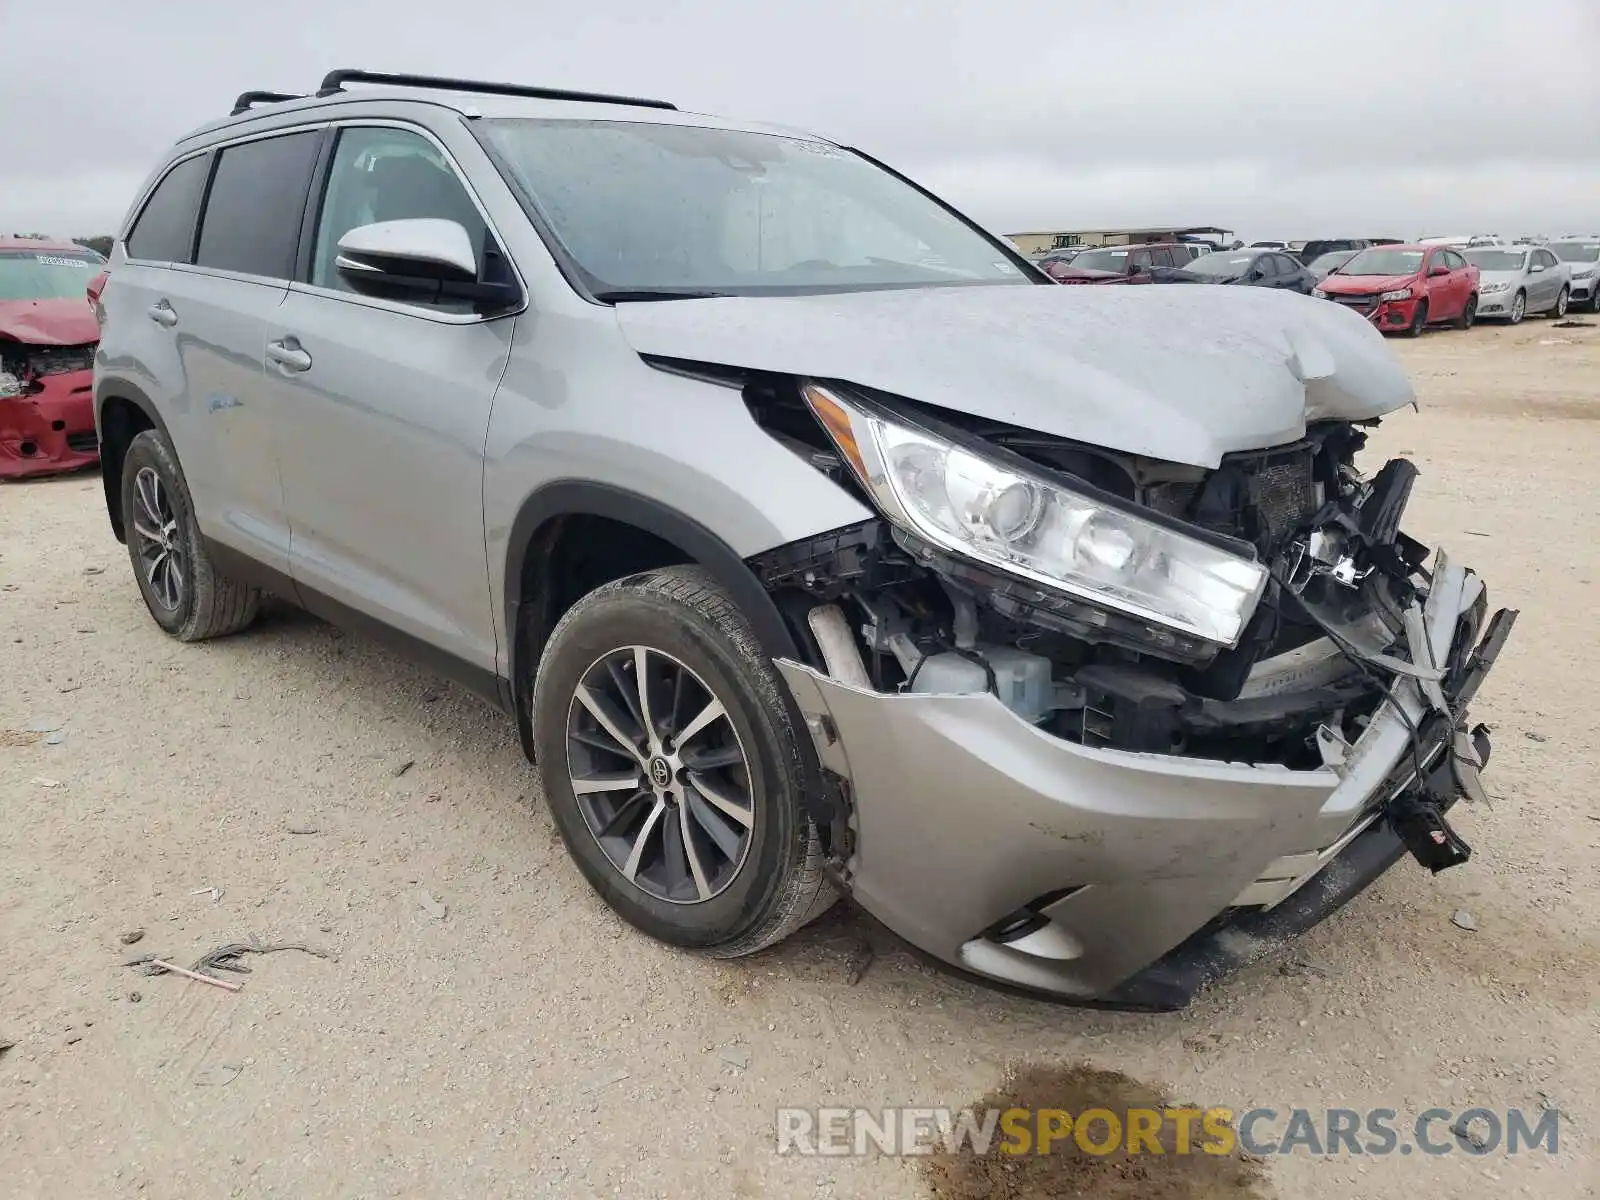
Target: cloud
1265,117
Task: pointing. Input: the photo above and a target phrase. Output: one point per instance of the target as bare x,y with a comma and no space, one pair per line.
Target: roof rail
334,81
248,100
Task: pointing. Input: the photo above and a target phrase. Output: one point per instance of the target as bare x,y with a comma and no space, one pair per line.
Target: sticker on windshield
1005,268
820,149
53,260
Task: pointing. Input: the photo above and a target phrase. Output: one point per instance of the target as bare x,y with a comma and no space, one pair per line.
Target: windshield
659,211
1577,251
1102,260
46,275
1496,260
1331,261
1224,265
1384,261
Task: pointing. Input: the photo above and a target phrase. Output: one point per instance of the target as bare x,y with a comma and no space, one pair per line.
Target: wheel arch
542,578
122,411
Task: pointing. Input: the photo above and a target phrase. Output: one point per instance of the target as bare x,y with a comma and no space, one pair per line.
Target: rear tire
1419,320
1469,314
186,594
753,880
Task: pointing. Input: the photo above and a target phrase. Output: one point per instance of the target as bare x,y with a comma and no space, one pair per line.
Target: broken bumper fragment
50,428
1128,878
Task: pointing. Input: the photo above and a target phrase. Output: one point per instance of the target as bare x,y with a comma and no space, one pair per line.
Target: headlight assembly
1026,525
1401,294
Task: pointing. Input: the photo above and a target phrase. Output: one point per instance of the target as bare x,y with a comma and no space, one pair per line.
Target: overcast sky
1316,118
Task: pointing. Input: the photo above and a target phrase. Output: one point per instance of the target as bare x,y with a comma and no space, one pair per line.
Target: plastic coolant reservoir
1022,680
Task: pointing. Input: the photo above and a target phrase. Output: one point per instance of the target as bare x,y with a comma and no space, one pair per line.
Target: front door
384,408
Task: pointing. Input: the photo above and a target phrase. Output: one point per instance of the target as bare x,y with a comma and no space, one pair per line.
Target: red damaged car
48,335
1406,287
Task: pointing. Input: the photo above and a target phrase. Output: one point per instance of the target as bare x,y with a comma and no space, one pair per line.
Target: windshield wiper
620,295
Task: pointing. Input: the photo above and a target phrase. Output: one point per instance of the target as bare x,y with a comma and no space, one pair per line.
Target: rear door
382,408
214,308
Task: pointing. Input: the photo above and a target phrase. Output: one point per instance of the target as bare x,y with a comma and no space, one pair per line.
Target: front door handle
288,355
163,314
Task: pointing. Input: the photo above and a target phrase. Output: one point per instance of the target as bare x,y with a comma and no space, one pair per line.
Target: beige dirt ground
527,1044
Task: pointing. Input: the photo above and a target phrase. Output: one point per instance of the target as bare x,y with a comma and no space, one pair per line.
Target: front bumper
1385,314
1496,304
1583,289
50,430
1079,872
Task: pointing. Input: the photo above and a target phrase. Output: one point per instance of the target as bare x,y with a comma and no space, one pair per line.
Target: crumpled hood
48,322
1361,285
1181,374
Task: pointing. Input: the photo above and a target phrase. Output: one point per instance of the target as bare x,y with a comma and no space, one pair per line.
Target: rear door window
164,230
257,198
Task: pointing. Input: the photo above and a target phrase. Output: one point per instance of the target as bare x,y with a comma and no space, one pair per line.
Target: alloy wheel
1519,306
1561,304
155,525
660,775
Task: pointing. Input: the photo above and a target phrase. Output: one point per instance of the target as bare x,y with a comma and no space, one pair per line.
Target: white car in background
1581,254
1515,280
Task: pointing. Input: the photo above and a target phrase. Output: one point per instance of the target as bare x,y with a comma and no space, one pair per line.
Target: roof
47,245
491,106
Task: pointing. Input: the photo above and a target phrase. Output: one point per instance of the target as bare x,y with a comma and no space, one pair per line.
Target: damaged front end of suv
1098,724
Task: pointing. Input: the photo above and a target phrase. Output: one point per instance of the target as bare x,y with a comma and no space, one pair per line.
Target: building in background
1039,243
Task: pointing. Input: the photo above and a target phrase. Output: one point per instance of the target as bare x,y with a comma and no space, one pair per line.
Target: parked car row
1398,287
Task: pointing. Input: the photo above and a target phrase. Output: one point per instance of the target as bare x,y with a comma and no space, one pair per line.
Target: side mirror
422,258
1137,269
1439,269
1536,268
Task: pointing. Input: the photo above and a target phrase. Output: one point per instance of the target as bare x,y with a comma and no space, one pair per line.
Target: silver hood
1176,373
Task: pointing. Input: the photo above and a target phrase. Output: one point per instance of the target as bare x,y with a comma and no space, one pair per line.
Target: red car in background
48,335
1406,288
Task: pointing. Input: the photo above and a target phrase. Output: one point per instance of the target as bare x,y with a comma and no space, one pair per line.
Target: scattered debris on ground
1462,919
224,958
220,1075
214,892
132,936
303,830
404,767
600,1082
434,908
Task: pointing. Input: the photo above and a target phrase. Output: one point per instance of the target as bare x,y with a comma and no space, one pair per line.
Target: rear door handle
163,314
289,355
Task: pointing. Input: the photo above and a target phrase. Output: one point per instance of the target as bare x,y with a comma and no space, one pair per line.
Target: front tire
680,799
182,588
1562,301
1519,308
1419,320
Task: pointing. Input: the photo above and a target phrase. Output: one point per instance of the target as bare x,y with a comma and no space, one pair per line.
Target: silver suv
814,541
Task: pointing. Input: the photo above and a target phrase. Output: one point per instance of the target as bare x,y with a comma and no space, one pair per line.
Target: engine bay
1321,651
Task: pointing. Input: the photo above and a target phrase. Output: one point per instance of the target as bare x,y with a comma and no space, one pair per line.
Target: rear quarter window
257,198
164,229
